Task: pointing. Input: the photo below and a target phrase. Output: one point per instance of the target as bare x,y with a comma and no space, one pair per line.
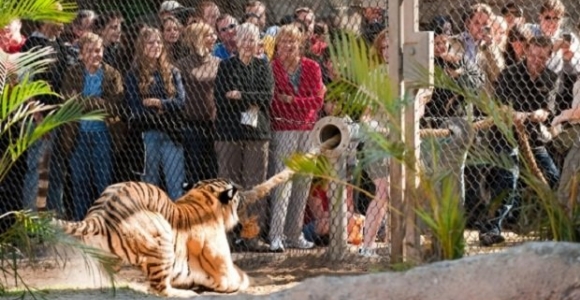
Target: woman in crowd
298,97
243,96
172,39
376,165
155,95
199,71
100,86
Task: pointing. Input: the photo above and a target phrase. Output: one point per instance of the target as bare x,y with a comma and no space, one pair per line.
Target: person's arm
315,102
503,91
222,84
177,102
133,98
264,91
113,91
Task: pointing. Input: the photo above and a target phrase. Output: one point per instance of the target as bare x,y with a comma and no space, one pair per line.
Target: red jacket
302,113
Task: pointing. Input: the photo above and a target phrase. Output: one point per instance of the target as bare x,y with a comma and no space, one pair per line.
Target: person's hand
567,54
286,98
152,103
453,73
486,40
98,101
521,116
234,95
539,116
558,120
448,57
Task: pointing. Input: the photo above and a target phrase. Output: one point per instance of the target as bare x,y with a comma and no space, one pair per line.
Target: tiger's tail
86,227
261,190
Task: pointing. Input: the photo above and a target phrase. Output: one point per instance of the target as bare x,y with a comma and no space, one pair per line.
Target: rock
546,270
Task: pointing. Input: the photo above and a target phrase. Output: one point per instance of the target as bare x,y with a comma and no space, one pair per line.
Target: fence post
324,129
411,51
397,175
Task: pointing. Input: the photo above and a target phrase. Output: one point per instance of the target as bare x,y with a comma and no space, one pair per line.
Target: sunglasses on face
515,13
231,26
552,18
252,15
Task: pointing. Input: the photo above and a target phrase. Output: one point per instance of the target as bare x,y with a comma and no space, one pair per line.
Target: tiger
178,245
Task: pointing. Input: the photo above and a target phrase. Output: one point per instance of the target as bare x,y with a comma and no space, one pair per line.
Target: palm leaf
23,132
362,81
31,62
37,10
14,100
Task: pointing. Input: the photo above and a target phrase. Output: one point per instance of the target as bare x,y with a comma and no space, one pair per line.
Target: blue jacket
143,118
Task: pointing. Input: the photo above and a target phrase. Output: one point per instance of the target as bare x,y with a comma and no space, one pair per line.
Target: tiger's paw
178,293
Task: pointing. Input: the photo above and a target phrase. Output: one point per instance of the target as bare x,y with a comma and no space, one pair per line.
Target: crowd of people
194,93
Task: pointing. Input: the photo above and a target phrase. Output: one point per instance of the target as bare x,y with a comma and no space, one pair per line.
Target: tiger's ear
228,195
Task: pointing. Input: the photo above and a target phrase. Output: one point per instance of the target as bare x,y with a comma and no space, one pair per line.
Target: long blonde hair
194,35
145,67
375,48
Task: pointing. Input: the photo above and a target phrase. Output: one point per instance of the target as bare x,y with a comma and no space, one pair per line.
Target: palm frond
25,132
23,237
31,62
16,100
37,10
362,81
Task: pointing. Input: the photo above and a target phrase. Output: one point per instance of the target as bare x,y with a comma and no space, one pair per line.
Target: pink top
302,113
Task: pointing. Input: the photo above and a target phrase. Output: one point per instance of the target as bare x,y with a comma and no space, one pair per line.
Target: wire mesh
186,102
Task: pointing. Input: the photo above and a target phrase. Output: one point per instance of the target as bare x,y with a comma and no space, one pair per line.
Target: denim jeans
547,166
289,199
162,151
200,154
91,169
504,187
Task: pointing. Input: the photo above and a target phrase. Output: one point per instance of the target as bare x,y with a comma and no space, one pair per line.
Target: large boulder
547,270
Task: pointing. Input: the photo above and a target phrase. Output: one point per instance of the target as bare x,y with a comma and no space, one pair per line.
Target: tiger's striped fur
177,245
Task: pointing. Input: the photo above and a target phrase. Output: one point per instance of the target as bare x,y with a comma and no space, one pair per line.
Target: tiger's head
227,194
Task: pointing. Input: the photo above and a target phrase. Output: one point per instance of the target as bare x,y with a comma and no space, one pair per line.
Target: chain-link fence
193,92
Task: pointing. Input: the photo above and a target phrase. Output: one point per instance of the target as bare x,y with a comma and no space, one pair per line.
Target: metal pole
338,245
397,173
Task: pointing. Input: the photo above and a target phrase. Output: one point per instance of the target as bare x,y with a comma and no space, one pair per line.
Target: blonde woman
380,46
243,94
199,71
155,95
172,29
376,166
298,97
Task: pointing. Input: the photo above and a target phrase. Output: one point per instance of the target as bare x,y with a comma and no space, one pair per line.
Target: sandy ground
78,277
72,276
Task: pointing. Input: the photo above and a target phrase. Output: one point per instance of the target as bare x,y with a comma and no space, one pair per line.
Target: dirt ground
71,276
76,277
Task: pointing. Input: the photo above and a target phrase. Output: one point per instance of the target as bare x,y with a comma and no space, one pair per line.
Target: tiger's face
223,189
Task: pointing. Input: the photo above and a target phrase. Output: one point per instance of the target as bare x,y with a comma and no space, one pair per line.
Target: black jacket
256,84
